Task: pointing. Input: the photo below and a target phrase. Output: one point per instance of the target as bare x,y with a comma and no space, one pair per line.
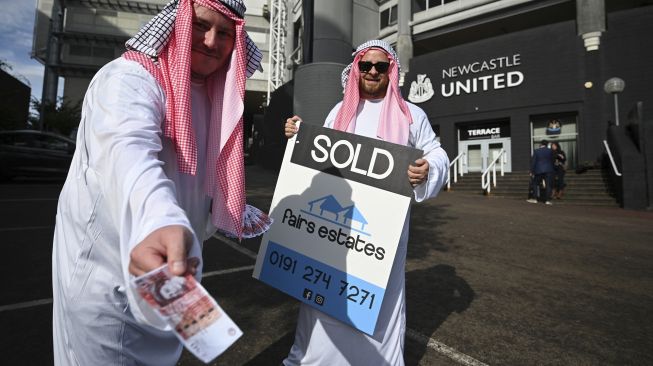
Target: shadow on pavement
432,294
274,353
425,233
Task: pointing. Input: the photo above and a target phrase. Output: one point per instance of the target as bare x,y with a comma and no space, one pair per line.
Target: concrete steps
589,188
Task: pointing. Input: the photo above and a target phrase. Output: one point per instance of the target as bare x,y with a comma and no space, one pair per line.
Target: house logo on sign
421,90
329,209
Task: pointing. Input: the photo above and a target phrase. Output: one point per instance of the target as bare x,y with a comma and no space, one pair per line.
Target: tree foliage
61,117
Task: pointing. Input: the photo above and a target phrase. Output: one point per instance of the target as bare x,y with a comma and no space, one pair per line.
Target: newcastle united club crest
421,90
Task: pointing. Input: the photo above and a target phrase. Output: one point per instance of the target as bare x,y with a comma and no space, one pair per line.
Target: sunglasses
366,66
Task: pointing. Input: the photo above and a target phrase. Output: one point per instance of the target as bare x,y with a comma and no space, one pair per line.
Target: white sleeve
331,118
422,137
124,110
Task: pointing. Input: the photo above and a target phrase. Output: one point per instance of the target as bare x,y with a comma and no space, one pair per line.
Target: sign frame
333,243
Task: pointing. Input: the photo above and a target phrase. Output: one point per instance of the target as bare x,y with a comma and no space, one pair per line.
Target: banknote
195,317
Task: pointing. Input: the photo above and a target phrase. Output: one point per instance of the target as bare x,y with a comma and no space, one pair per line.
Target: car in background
29,153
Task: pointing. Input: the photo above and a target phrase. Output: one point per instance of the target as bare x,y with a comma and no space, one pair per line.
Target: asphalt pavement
488,281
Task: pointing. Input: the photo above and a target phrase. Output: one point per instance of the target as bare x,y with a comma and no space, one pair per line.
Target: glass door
474,157
494,147
479,154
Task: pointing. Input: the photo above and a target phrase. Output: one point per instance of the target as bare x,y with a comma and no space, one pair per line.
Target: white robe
123,184
323,340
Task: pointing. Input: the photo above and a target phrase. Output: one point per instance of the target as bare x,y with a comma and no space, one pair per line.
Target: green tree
61,117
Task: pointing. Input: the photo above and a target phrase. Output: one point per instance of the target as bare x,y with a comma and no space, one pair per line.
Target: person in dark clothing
542,172
559,167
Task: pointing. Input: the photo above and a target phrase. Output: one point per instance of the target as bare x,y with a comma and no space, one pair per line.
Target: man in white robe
158,168
372,106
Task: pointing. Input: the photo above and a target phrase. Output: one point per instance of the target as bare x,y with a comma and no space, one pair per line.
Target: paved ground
489,280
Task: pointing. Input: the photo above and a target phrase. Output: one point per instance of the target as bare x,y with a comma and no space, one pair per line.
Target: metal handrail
485,178
296,55
460,162
614,165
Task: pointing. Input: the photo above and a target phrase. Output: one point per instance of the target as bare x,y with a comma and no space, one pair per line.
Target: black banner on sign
362,159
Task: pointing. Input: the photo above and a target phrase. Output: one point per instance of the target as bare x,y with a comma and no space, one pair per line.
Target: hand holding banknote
169,244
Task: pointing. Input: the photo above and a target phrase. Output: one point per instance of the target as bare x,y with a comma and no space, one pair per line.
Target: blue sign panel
345,297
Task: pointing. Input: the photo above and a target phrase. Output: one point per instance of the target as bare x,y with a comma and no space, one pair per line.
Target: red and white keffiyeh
163,47
395,119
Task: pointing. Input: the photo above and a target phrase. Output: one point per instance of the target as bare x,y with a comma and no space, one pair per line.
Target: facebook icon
308,294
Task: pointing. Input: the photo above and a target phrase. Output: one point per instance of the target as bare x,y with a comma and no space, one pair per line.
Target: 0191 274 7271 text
322,279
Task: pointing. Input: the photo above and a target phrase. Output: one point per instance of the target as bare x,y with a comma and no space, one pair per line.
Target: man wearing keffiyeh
372,106
158,168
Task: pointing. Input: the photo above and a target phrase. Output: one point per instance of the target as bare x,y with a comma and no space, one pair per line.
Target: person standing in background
560,168
542,171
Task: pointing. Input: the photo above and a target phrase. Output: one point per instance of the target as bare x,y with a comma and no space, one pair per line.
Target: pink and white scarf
170,65
395,119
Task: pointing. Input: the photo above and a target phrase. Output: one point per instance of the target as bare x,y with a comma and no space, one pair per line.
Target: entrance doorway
560,127
479,154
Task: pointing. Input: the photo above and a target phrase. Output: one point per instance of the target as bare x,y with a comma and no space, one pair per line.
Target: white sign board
338,208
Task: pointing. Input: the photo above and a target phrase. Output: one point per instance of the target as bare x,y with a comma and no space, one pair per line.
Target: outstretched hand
291,126
169,244
418,172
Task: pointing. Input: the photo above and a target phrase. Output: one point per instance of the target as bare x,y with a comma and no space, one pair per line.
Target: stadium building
494,76
74,38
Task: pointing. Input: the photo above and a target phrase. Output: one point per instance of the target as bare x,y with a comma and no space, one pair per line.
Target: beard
373,89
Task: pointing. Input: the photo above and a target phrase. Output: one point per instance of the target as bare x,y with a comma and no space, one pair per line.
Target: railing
460,162
296,55
614,165
485,178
